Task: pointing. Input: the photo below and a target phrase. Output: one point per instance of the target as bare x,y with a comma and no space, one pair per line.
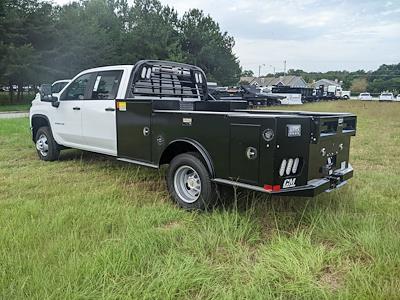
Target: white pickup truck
157,112
80,118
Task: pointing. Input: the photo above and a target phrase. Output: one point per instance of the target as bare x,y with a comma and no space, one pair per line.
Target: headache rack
155,80
326,126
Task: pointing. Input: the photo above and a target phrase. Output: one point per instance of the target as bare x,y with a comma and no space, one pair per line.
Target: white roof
107,68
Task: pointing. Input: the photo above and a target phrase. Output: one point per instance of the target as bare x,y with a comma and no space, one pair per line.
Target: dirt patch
170,225
331,278
268,227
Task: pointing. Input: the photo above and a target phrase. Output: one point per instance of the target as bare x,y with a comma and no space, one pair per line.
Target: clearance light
198,78
282,168
289,166
295,165
144,71
148,74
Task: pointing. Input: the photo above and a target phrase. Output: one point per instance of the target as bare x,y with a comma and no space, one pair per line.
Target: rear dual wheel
189,182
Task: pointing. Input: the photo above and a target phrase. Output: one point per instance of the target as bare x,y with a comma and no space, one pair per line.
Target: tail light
282,168
289,166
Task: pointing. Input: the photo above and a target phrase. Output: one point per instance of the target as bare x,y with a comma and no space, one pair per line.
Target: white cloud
309,34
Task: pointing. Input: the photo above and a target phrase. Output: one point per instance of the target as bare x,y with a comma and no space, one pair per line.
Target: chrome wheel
187,184
42,145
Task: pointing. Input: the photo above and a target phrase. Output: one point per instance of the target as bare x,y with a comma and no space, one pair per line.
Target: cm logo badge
290,182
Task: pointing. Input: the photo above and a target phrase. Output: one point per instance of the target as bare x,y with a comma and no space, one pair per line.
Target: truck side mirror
46,94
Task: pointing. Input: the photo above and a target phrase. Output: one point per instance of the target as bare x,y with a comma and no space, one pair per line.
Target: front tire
46,146
189,183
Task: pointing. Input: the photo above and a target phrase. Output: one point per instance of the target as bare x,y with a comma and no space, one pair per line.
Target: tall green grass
88,227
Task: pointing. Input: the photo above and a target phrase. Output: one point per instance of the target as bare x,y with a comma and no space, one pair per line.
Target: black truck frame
166,117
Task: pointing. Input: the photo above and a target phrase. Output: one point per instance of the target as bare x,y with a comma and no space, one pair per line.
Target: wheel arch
37,121
181,146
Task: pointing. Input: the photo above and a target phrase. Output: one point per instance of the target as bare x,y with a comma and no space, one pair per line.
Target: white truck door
98,115
68,116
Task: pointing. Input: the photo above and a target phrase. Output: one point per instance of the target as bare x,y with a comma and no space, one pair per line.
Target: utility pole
273,69
259,70
284,67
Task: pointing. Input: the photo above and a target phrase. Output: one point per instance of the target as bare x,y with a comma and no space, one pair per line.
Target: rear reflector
276,188
271,188
267,187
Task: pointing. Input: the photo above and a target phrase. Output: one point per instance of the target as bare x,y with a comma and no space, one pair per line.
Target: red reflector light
270,188
276,187
267,187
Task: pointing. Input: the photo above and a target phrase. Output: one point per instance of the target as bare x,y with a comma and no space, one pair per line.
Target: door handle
110,109
76,108
251,153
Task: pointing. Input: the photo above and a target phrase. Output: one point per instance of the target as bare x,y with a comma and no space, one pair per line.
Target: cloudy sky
313,35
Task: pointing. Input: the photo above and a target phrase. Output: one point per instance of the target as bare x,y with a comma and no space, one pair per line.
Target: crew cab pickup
158,112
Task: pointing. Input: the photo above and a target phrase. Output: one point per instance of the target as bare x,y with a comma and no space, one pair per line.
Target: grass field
88,227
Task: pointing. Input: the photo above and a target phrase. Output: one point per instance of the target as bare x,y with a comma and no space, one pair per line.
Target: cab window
56,88
106,85
76,90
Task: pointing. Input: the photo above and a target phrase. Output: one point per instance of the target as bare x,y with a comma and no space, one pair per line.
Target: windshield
387,94
364,94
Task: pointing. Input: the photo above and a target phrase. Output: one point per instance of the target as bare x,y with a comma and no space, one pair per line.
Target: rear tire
189,183
46,146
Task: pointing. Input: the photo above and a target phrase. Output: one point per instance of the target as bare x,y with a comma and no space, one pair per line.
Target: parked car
365,96
58,85
7,88
157,112
398,97
386,96
55,88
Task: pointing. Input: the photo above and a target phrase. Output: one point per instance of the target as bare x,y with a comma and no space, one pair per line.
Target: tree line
385,78
42,42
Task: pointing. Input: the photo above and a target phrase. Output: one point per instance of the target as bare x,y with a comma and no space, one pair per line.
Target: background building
290,80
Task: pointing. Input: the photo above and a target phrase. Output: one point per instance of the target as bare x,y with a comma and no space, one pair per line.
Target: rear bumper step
313,187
